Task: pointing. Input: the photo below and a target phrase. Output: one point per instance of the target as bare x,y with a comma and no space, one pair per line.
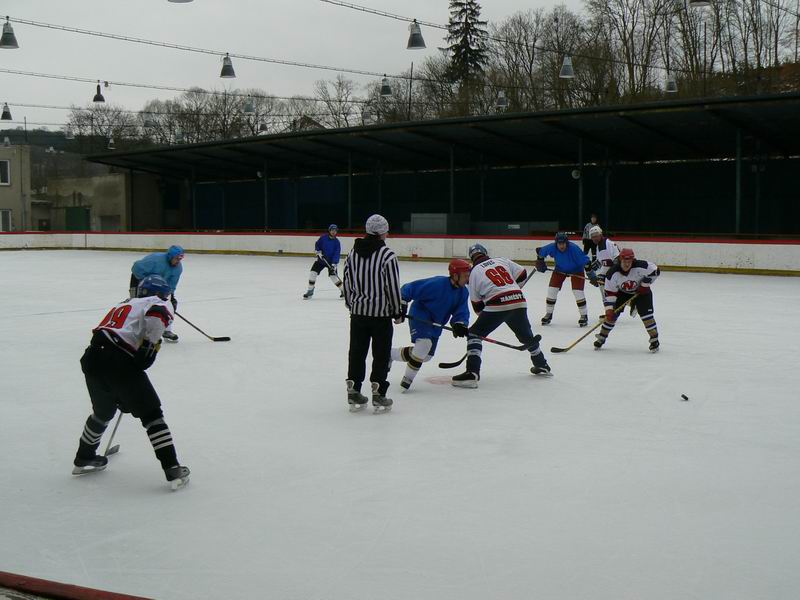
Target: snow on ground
597,483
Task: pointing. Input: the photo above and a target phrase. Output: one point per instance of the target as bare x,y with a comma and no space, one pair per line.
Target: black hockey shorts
643,303
516,319
319,265
115,381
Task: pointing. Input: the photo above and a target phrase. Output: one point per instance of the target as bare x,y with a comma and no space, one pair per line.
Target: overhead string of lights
415,41
566,72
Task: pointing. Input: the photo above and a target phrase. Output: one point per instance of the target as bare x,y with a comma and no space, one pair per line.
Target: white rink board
597,483
682,254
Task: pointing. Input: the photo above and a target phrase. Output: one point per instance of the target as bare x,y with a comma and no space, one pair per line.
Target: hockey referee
372,292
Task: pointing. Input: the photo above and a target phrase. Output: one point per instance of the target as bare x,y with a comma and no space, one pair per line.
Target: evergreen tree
467,39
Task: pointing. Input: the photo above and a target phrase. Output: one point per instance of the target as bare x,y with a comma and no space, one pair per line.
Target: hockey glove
593,278
611,316
146,354
174,301
460,330
593,266
401,316
540,266
644,285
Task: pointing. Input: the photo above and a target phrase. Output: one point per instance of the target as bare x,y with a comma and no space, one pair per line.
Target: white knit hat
377,225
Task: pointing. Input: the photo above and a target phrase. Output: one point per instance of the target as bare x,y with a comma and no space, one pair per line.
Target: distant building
43,189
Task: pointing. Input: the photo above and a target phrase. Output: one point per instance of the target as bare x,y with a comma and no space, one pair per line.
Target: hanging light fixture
6,142
179,1
6,112
98,97
149,122
415,41
249,107
111,145
386,89
262,128
566,72
672,85
699,3
69,134
227,68
502,101
9,40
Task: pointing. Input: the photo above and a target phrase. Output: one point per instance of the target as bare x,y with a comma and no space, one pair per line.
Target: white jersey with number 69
494,283
131,322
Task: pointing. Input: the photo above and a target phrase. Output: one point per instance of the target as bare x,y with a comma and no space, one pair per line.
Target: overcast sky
298,30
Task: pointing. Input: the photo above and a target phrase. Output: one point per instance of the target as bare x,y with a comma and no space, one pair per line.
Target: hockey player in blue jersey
166,265
438,300
329,251
570,262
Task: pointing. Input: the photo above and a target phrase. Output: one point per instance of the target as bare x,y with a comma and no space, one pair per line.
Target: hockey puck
685,397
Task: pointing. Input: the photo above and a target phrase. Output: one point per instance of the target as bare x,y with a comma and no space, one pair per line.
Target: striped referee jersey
371,279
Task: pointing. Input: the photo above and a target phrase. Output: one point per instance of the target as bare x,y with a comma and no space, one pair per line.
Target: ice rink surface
597,483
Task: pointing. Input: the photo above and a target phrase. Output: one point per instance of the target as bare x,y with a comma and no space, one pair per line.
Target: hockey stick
224,338
575,343
331,270
109,448
453,365
485,339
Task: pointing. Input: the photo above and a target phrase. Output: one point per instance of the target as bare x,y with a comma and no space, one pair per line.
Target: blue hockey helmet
174,251
477,250
153,285
561,237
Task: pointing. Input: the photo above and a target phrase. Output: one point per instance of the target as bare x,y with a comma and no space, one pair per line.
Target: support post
193,199
380,186
452,179
738,180
580,184
266,197
482,173
350,190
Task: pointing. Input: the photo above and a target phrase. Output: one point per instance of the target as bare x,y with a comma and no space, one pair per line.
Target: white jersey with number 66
494,282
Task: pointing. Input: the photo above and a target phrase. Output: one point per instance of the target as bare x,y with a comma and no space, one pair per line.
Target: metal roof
669,130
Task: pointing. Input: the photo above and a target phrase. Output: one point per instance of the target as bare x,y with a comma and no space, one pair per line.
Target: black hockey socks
90,438
161,439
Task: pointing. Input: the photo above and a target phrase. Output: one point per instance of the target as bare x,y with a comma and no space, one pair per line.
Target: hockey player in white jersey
625,280
123,346
497,298
607,251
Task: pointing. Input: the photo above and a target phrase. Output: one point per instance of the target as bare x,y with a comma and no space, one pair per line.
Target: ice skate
308,294
467,379
355,399
654,345
89,465
169,336
599,341
177,476
547,318
380,402
405,383
583,321
542,370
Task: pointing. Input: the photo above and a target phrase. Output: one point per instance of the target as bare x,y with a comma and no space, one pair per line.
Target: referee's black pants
364,331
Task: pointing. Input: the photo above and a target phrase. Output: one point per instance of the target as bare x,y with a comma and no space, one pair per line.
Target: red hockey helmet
626,254
458,265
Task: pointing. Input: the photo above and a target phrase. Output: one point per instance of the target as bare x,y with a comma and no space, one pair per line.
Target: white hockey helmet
595,230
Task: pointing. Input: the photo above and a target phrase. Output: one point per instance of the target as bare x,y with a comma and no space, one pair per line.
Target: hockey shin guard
161,439
312,280
90,438
580,300
474,349
552,292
